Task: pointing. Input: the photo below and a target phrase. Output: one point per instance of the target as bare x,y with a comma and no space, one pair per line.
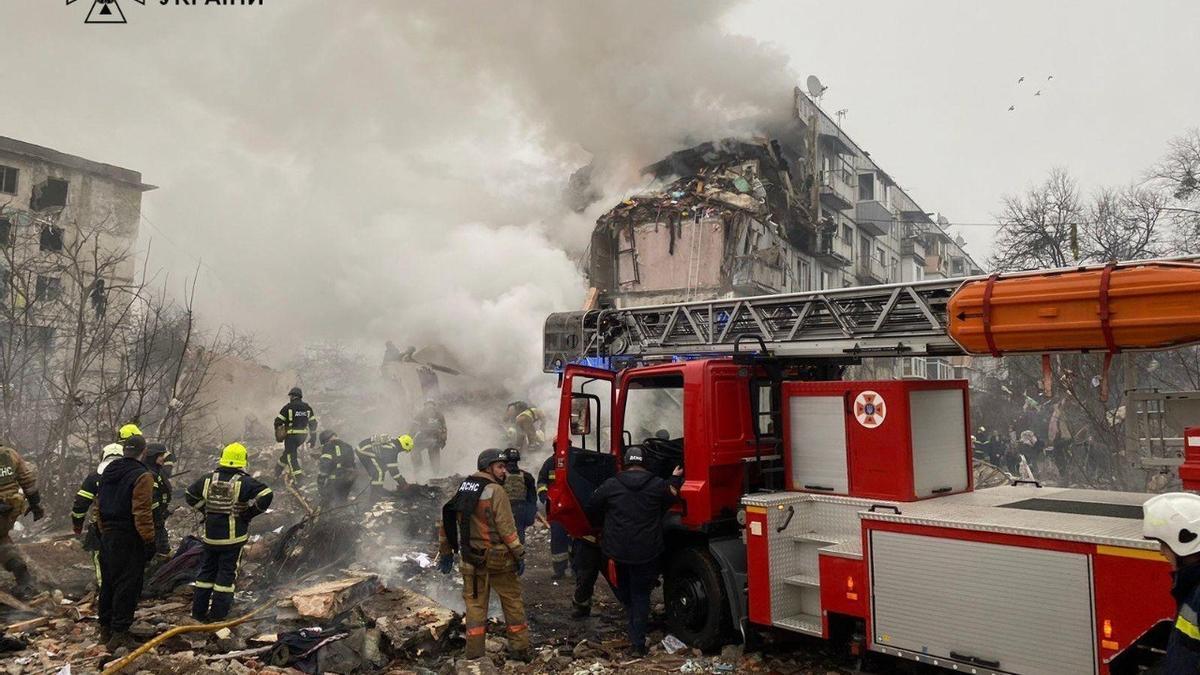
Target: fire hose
129,658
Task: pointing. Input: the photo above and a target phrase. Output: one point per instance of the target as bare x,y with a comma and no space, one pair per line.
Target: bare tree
1177,178
1039,225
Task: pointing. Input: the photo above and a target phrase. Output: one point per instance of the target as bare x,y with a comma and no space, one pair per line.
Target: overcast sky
374,169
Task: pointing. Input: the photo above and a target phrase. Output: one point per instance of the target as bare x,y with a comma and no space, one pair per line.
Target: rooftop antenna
841,114
815,89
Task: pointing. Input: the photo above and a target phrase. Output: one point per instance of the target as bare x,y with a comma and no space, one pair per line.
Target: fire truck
846,510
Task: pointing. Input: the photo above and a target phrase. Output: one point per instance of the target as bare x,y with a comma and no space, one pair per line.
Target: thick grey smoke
386,170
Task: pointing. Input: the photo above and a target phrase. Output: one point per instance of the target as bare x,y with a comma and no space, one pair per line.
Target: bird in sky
1039,92
1020,79
1012,108
1049,78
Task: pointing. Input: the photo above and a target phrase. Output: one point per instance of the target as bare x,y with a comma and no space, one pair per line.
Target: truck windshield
654,419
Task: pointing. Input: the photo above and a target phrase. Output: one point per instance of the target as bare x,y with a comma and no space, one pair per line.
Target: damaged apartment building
805,210
62,218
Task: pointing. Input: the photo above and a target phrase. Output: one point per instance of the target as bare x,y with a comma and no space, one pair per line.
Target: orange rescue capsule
1110,308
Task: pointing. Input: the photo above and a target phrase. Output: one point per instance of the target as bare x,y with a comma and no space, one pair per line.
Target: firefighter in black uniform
335,472
126,523
522,492
229,498
156,460
295,424
83,515
380,456
560,542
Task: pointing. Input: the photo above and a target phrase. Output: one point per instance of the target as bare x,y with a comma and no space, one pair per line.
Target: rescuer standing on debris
529,422
335,471
522,492
295,424
630,508
430,436
16,477
156,460
83,513
229,498
478,523
1173,520
124,503
380,455
560,543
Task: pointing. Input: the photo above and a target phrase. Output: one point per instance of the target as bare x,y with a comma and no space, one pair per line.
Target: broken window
866,187
48,288
52,194
8,179
52,238
5,231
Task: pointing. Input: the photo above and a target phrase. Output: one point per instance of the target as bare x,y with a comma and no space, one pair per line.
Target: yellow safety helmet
406,442
129,430
234,456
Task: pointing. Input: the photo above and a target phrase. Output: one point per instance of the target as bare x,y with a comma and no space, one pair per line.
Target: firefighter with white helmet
1173,520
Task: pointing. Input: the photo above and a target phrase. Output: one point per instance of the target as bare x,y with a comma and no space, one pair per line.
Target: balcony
834,251
913,248
837,189
870,271
936,266
874,218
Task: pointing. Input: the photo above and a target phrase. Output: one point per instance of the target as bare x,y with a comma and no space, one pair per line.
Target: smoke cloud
387,170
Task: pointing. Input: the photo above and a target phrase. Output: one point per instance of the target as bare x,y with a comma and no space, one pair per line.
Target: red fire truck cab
842,509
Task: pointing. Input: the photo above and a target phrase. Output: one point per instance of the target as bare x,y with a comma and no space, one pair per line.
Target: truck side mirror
581,417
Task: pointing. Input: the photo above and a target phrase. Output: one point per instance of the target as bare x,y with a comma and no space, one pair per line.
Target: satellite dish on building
815,88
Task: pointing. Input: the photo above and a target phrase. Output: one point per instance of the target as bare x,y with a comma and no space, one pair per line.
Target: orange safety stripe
510,538
518,628
472,631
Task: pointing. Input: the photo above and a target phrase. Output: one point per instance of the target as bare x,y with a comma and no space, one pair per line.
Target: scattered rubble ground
371,603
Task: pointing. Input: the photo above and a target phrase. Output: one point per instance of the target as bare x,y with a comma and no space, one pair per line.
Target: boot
121,639
105,635
560,570
581,612
522,655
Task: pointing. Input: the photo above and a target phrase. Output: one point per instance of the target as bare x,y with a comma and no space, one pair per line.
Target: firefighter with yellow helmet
229,498
380,455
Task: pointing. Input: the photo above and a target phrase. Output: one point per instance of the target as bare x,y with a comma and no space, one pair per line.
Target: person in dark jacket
335,470
125,519
296,423
522,492
83,512
156,459
629,509
380,456
1173,520
229,498
560,542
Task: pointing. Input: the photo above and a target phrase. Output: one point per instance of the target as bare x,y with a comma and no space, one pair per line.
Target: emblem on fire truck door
869,409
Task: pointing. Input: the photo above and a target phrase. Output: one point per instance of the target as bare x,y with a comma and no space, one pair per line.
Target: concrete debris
329,599
672,644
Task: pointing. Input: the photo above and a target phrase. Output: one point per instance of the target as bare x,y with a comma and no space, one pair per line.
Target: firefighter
560,543
380,456
630,508
18,496
522,492
83,512
295,425
588,560
430,436
156,460
128,430
531,424
478,523
229,498
126,523
335,473
1173,520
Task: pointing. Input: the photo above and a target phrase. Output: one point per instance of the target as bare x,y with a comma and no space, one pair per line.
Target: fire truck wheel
695,599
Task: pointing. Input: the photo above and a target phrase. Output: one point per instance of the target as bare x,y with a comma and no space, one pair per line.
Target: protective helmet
129,430
295,391
1173,519
326,435
112,450
512,455
489,457
234,456
634,455
405,441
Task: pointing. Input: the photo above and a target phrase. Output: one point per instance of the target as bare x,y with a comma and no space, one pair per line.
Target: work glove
521,567
446,563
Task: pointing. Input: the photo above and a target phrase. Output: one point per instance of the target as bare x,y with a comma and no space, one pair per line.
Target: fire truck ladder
904,319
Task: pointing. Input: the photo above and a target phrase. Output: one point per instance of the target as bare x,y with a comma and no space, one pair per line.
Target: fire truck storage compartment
998,607
895,439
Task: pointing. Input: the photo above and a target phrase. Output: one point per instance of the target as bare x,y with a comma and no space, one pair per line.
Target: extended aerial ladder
1105,308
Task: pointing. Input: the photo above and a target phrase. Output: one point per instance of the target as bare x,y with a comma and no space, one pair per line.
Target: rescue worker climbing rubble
560,542
380,456
335,470
429,436
18,496
478,523
83,511
229,498
295,425
530,424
